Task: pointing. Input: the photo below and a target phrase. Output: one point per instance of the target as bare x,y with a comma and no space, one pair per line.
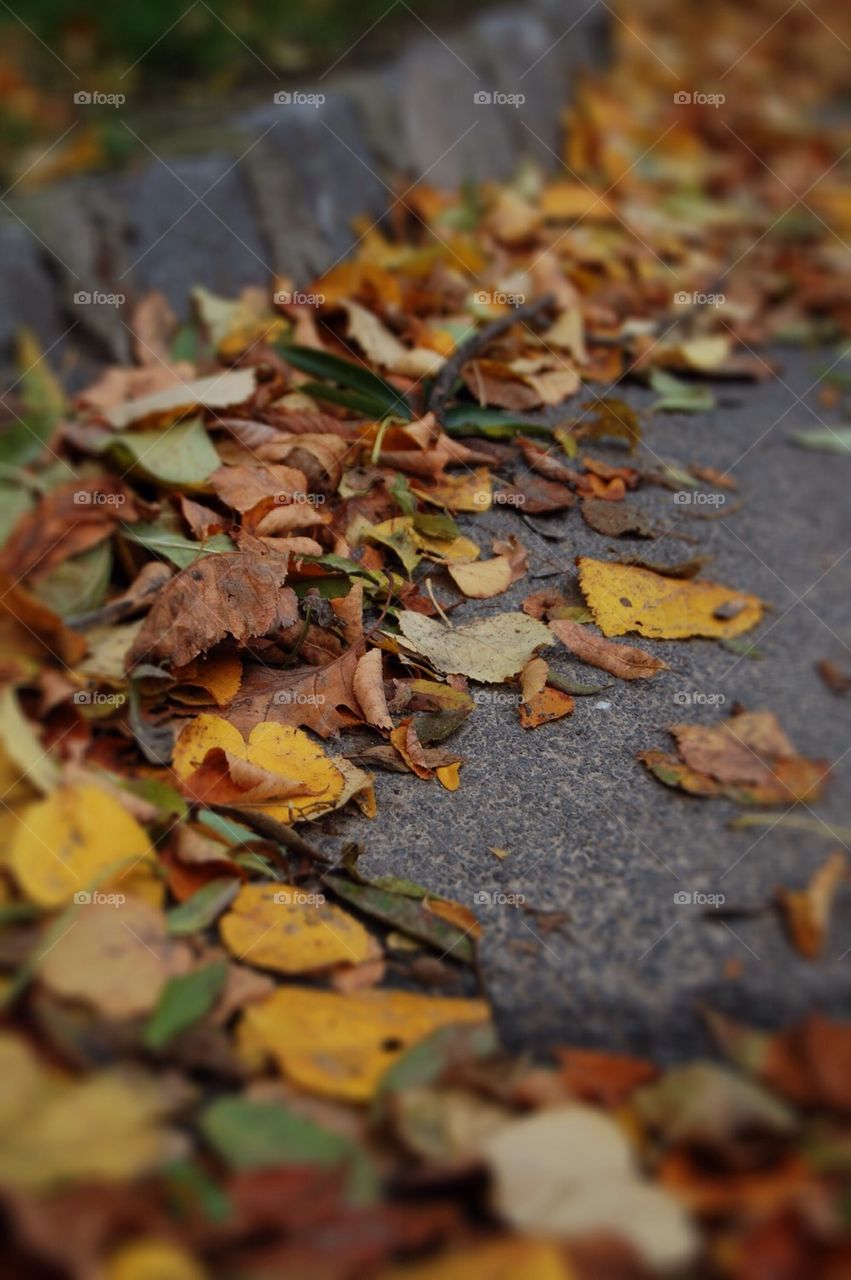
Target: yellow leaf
103,1128
484,579
115,956
341,1045
209,678
458,550
281,927
153,1260
470,492
289,775
449,776
77,839
507,1258
626,598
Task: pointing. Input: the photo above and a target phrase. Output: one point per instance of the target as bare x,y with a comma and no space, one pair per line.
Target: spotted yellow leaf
281,927
627,598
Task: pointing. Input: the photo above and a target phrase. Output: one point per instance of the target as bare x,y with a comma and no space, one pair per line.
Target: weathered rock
191,221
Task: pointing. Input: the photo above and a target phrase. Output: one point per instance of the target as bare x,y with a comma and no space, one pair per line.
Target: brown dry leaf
318,698
245,487
30,631
747,757
341,1045
238,593
504,1258
621,660
285,928
368,684
543,707
115,956
625,598
807,911
72,518
616,519
153,326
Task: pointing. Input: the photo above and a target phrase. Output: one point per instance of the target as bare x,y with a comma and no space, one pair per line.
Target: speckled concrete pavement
592,837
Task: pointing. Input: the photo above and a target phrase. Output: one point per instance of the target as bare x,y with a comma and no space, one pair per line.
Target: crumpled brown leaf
239,593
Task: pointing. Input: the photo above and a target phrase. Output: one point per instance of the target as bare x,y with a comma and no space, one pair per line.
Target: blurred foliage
198,53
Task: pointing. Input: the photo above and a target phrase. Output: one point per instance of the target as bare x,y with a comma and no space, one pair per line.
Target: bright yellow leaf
627,598
289,775
282,927
341,1045
78,839
153,1260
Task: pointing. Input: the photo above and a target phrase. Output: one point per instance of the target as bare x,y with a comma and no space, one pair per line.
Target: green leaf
405,914
203,907
366,406
180,455
184,1000
15,501
193,1192
400,490
164,539
824,439
679,396
490,424
353,377
79,584
425,1062
267,1135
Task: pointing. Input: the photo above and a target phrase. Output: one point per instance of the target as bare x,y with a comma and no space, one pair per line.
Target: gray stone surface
312,173
590,832
191,221
29,295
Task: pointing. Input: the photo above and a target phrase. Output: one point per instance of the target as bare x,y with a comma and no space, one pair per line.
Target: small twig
478,342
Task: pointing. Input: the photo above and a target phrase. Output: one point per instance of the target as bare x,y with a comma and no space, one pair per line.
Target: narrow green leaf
184,1001
203,907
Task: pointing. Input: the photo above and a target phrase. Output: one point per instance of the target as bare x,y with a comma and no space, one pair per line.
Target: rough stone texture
78,226
590,832
280,185
191,221
313,165
28,293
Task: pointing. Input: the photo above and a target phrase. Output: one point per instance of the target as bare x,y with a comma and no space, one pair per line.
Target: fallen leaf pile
235,582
